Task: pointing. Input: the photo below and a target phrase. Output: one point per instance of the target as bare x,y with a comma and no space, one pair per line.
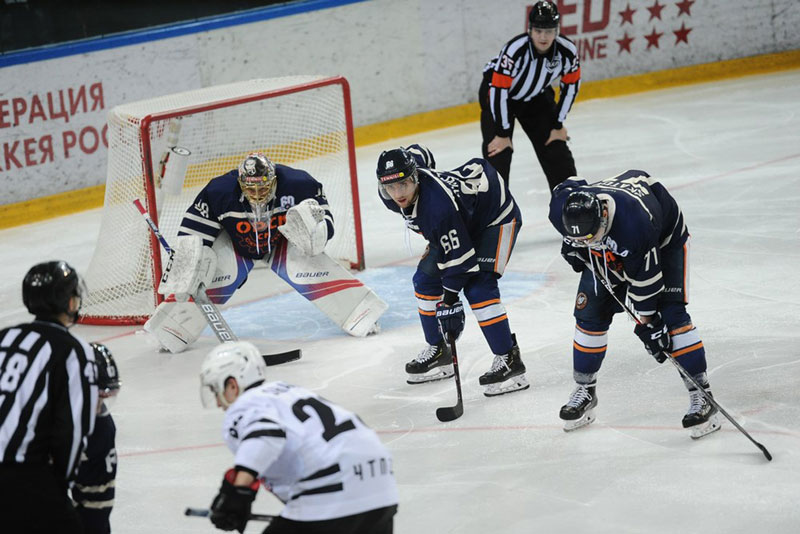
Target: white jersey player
328,468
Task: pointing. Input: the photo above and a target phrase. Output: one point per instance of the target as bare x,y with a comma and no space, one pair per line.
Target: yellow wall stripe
92,197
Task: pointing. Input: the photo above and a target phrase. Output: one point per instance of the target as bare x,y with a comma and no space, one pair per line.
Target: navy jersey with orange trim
453,208
644,219
222,205
519,72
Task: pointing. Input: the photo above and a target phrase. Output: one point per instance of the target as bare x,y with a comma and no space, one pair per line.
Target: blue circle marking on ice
290,316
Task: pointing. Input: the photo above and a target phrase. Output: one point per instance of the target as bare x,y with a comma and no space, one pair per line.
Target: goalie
238,218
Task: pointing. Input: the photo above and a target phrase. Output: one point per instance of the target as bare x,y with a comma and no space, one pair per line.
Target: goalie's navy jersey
222,205
643,220
318,458
453,208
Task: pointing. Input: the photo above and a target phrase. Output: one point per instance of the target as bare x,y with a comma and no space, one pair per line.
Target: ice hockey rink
729,152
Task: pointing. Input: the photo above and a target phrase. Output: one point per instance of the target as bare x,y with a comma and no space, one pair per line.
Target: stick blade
765,451
450,413
282,357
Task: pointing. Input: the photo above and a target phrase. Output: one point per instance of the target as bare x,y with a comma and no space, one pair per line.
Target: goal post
164,150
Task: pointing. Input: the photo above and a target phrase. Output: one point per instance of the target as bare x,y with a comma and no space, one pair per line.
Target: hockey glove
230,509
451,319
575,256
655,337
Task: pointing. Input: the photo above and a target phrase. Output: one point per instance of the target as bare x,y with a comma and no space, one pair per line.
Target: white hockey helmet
233,359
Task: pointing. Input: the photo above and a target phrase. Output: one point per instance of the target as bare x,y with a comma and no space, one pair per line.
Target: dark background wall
33,23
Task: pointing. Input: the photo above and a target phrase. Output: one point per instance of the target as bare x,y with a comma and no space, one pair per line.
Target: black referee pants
378,521
536,118
34,501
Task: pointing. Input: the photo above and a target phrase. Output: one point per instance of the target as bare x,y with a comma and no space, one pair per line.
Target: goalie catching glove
190,265
305,227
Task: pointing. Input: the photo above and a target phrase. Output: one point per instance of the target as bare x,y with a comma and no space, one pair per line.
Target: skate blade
437,373
712,425
515,383
588,418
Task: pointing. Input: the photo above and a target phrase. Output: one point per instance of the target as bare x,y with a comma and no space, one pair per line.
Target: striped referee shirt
48,396
520,73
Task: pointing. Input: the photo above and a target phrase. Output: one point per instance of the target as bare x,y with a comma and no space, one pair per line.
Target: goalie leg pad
231,273
176,325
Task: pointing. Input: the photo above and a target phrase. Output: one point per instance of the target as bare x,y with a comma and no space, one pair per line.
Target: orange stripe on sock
428,313
490,322
681,329
690,348
479,305
590,350
427,297
589,332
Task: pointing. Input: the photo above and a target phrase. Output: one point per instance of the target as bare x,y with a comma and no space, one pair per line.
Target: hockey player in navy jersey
471,222
630,231
236,219
329,469
94,487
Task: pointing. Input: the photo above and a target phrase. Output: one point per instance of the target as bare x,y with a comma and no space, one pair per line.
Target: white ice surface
728,151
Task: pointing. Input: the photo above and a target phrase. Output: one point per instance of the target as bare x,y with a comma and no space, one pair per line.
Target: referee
48,398
516,83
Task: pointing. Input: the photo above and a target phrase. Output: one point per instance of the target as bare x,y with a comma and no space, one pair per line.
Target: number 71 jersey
318,458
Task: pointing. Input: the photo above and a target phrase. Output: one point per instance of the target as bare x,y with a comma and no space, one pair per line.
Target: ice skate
579,410
433,363
702,418
507,374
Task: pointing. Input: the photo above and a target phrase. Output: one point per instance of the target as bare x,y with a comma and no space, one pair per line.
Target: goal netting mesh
301,121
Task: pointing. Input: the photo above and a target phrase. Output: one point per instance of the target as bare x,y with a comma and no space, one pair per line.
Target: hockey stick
683,371
449,413
205,512
208,308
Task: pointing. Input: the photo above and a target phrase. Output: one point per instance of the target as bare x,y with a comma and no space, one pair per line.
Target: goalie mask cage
301,121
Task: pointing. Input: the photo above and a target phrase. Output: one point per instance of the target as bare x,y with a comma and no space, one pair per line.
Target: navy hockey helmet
582,215
108,382
394,166
543,15
257,178
48,287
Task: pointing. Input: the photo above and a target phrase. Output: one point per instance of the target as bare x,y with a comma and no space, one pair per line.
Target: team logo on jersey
581,301
614,247
287,202
553,66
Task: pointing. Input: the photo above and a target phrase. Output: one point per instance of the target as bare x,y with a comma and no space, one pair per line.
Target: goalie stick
449,413
208,308
205,512
684,373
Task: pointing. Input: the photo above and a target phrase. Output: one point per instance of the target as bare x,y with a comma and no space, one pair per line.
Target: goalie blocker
177,323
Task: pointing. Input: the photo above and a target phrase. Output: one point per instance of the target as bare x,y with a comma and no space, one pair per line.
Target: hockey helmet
395,166
582,215
108,382
257,178
48,287
233,359
543,15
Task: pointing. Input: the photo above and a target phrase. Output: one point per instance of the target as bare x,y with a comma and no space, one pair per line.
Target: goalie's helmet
48,287
543,15
233,359
582,215
257,178
108,382
394,166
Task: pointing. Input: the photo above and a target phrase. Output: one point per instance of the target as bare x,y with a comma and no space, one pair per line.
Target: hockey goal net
301,121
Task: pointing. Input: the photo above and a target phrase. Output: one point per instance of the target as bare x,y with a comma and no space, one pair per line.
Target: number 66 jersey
318,458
